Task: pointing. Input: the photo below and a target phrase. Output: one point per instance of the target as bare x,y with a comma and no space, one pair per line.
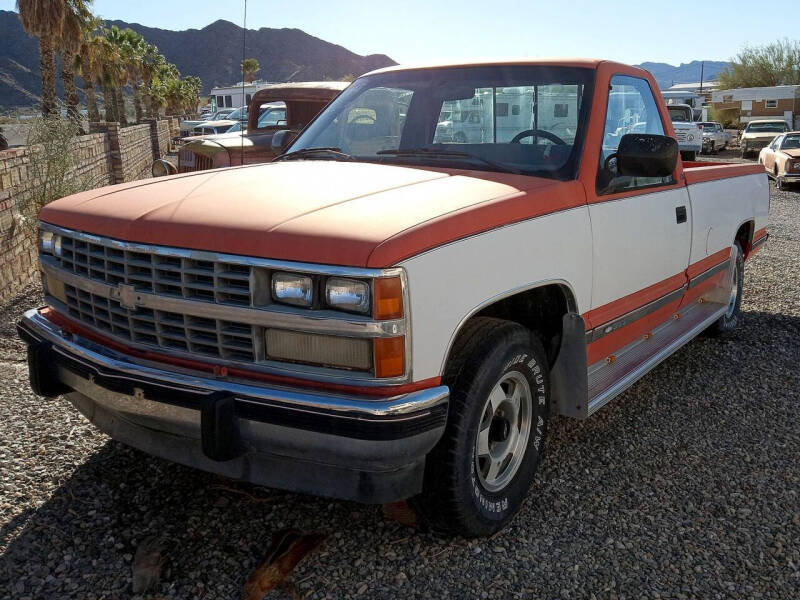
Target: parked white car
687,132
714,137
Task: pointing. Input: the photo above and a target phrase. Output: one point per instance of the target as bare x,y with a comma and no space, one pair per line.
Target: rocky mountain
212,53
667,75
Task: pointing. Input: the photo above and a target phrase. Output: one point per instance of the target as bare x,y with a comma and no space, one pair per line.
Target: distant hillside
213,53
667,75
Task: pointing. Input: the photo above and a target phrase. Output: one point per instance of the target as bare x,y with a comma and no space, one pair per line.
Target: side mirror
646,155
281,140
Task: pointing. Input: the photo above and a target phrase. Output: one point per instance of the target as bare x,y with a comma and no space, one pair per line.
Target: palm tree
115,74
150,58
250,67
44,19
76,15
133,53
88,64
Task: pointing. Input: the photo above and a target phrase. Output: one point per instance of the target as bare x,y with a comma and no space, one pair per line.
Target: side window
631,109
271,117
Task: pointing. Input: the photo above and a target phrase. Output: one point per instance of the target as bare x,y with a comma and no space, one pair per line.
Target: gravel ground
684,487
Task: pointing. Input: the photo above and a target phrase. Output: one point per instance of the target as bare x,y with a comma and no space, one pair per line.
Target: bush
728,117
52,169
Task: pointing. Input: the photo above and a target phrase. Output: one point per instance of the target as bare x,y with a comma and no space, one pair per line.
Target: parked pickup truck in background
715,138
379,314
301,103
760,133
688,133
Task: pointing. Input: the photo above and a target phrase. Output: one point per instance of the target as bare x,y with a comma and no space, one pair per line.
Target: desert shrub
52,168
728,117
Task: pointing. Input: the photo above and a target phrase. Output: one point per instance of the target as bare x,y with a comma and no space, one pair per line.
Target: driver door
641,227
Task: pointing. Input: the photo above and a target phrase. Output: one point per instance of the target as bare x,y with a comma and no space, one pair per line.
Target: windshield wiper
436,152
334,153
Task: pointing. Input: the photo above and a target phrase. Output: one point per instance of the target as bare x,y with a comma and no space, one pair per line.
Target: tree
76,17
133,51
44,19
777,63
116,74
88,65
250,67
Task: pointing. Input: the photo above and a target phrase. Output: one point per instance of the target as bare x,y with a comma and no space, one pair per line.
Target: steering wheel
539,133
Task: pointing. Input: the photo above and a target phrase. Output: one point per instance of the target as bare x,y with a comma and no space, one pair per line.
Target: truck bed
698,172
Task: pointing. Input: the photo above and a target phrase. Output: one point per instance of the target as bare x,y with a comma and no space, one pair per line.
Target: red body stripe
617,308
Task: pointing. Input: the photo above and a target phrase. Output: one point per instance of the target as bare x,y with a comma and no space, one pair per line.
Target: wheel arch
744,235
550,300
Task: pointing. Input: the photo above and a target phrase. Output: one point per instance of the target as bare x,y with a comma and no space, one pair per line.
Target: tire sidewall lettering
496,505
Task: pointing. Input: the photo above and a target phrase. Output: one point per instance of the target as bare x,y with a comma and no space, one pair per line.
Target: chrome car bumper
343,446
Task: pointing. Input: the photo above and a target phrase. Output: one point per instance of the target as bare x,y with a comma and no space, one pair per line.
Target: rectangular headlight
292,288
49,243
321,350
347,294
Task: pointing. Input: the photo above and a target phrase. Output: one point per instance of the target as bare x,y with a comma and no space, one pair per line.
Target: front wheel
730,320
479,474
689,156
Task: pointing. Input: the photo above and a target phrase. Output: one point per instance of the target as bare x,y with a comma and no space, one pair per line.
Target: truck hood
347,213
765,136
792,152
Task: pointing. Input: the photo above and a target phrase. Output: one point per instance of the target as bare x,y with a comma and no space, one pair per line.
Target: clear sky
420,31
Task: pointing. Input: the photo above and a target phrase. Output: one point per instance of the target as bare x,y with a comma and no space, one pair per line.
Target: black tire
455,498
690,156
730,320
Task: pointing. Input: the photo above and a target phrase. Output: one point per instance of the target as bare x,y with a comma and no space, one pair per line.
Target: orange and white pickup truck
392,309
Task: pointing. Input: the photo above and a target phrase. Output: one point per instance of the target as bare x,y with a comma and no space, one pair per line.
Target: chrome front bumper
344,446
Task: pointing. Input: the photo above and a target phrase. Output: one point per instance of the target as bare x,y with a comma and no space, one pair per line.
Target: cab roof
587,63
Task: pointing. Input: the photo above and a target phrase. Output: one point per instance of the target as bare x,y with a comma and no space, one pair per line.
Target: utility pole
702,70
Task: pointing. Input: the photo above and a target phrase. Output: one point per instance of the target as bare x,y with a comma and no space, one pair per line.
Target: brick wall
162,131
17,245
136,152
109,155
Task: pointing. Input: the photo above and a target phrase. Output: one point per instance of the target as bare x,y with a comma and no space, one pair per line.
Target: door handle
680,214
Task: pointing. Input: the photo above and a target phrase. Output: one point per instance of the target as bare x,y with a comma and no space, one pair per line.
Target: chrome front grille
178,277
196,303
170,331
188,161
680,136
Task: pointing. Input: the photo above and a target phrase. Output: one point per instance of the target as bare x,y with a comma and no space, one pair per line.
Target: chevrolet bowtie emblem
126,294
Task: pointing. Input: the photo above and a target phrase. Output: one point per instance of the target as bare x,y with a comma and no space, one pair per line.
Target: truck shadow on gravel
715,421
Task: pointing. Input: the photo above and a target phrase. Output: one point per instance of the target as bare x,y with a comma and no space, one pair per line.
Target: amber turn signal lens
390,356
388,298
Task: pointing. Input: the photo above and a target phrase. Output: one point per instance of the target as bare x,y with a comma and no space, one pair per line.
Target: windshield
791,142
240,114
680,113
766,127
708,126
235,127
526,119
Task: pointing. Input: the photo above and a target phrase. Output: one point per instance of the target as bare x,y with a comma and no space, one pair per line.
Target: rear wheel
479,474
778,181
730,320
